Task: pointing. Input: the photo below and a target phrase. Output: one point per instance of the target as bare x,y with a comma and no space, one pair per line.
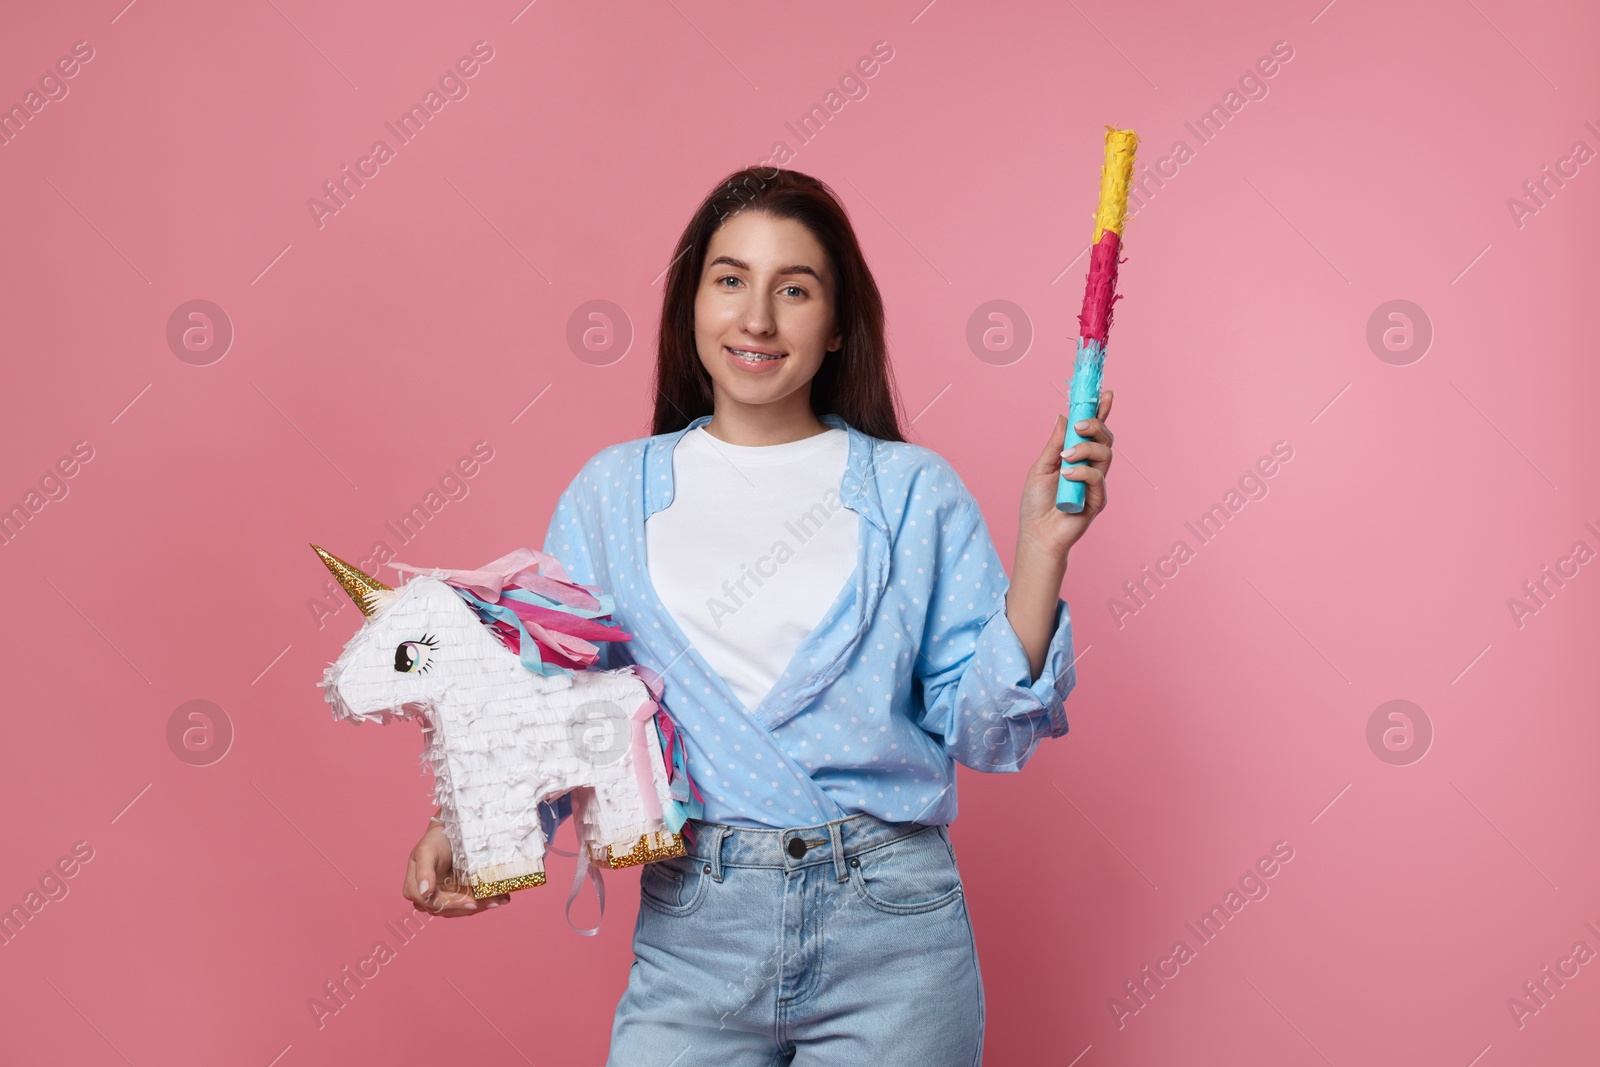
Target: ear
380,599
835,343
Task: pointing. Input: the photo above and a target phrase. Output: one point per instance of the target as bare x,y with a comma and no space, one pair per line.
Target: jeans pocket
674,886
912,875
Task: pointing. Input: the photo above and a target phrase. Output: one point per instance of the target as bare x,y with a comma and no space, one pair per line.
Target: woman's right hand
431,886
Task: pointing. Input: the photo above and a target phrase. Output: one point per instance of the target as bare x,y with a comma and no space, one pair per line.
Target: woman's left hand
1054,532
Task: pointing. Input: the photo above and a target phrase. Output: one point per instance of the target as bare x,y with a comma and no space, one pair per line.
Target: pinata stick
1094,322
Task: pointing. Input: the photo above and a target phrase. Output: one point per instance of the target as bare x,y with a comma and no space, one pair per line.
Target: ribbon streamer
685,801
585,867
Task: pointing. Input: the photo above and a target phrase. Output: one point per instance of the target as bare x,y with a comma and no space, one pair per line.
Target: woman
834,630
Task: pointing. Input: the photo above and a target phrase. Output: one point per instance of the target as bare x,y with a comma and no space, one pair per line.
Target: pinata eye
411,657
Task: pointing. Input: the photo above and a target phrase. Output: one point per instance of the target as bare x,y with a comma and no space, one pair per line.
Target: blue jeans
858,950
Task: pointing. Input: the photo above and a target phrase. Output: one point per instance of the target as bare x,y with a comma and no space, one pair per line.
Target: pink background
1229,713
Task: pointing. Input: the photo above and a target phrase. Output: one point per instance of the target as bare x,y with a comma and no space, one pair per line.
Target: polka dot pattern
918,671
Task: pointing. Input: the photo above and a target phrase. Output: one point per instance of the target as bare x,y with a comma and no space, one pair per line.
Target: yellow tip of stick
1115,177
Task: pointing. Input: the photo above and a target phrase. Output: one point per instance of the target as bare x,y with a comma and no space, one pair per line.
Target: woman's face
764,310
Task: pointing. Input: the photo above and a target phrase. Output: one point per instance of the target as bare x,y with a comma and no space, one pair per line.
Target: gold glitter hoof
506,885
648,849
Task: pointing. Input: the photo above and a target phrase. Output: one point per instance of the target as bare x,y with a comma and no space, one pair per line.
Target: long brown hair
855,382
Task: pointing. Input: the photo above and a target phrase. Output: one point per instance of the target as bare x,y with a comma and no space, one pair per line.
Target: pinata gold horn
359,585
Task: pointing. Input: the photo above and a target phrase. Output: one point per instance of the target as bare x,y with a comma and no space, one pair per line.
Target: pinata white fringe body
499,738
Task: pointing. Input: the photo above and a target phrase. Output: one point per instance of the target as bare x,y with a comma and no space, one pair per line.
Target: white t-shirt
753,550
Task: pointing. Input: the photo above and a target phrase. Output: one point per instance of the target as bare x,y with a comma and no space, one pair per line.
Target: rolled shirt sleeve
977,694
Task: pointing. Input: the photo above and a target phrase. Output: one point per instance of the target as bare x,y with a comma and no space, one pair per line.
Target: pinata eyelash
408,661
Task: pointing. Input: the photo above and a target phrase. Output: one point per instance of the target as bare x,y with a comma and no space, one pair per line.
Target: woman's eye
412,656
726,278
795,289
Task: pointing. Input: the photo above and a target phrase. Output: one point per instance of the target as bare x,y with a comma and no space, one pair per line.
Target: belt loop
836,838
719,832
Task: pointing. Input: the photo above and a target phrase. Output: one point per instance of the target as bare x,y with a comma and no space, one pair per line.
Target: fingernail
470,905
494,903
1084,425
423,888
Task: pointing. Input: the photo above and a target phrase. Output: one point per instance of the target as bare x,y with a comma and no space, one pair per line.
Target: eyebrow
798,268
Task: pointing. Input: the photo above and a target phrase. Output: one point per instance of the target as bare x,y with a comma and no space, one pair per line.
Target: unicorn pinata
496,662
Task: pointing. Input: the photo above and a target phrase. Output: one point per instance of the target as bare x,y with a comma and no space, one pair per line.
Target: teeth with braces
742,354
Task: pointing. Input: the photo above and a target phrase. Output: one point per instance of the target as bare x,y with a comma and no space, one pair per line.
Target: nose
757,319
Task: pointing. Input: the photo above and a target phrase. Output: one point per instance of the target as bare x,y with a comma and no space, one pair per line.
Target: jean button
797,847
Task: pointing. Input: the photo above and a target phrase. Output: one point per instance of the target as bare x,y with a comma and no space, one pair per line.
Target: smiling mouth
753,357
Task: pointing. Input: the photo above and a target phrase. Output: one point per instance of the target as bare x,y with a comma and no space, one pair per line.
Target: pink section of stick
1100,290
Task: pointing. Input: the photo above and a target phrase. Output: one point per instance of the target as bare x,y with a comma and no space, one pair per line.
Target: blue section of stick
1084,404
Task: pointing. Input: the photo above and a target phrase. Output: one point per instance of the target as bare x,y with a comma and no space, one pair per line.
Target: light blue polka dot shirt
913,669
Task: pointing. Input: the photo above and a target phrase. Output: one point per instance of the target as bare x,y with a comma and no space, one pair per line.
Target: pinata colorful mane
527,601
